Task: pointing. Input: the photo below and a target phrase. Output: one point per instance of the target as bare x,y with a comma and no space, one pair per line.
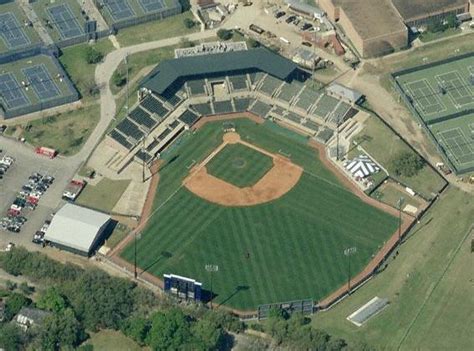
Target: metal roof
299,5
169,71
344,92
76,227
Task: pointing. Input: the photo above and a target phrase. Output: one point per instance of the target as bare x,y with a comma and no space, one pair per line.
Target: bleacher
242,104
153,144
255,78
143,156
339,113
188,117
260,108
238,82
173,95
203,109
164,133
289,91
154,105
324,135
174,124
196,87
129,129
307,98
279,111
120,139
293,117
143,118
312,125
325,106
223,107
269,85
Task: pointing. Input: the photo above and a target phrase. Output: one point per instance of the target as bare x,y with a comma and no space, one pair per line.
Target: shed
344,93
27,317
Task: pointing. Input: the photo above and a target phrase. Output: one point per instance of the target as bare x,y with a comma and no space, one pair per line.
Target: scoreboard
182,287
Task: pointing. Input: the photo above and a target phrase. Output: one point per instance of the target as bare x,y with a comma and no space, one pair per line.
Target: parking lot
25,163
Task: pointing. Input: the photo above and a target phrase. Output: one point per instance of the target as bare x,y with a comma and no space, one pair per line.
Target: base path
280,179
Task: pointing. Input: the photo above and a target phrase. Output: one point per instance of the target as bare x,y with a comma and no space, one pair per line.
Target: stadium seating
153,105
339,113
203,109
223,107
242,104
279,111
260,108
196,87
174,124
293,117
269,85
289,91
312,125
164,133
153,144
142,117
238,82
120,139
189,117
143,155
255,78
128,128
307,98
325,106
324,135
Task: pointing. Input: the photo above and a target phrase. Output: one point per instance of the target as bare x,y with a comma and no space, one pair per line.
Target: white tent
361,166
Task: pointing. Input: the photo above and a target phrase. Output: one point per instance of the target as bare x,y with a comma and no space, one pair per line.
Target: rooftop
169,71
410,9
344,92
367,25
76,227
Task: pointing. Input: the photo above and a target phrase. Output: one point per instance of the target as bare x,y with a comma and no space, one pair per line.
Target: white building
77,229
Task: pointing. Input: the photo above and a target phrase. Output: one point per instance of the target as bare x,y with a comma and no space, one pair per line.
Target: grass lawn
239,165
65,132
111,340
104,195
390,194
156,30
383,145
261,250
429,36
428,284
82,73
119,233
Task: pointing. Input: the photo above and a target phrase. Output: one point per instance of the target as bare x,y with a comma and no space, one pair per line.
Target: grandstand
178,92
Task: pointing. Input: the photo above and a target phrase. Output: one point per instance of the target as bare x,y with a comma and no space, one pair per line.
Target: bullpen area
256,200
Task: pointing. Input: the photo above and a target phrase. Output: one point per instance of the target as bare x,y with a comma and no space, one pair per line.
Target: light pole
399,206
211,268
135,258
348,253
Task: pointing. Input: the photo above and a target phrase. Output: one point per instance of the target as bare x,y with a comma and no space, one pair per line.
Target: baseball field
287,245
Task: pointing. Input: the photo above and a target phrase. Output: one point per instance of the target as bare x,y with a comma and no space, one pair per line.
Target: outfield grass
156,30
104,195
383,145
428,286
291,248
65,132
82,73
239,165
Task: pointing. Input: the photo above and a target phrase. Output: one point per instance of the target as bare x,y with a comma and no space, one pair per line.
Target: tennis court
65,21
42,82
150,6
11,31
440,90
10,92
119,9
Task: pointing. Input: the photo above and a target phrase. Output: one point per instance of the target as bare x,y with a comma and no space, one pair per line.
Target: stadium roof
167,72
76,227
412,9
366,24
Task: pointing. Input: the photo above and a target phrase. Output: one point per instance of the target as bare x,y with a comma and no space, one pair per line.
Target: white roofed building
361,167
77,229
344,93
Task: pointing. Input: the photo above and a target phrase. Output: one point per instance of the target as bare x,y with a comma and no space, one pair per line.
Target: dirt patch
280,179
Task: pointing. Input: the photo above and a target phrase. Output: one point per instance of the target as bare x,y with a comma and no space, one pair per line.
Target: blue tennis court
119,9
65,21
41,81
150,6
11,92
11,31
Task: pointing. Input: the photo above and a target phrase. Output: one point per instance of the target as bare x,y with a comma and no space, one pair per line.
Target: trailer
73,190
46,151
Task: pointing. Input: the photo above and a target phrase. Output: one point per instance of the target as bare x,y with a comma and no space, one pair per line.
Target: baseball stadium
244,183
441,96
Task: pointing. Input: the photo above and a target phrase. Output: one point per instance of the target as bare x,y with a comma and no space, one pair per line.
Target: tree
10,337
189,23
407,164
137,329
92,55
435,26
253,43
26,289
10,285
451,21
51,300
119,78
185,43
14,304
224,34
170,330
207,335
61,331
